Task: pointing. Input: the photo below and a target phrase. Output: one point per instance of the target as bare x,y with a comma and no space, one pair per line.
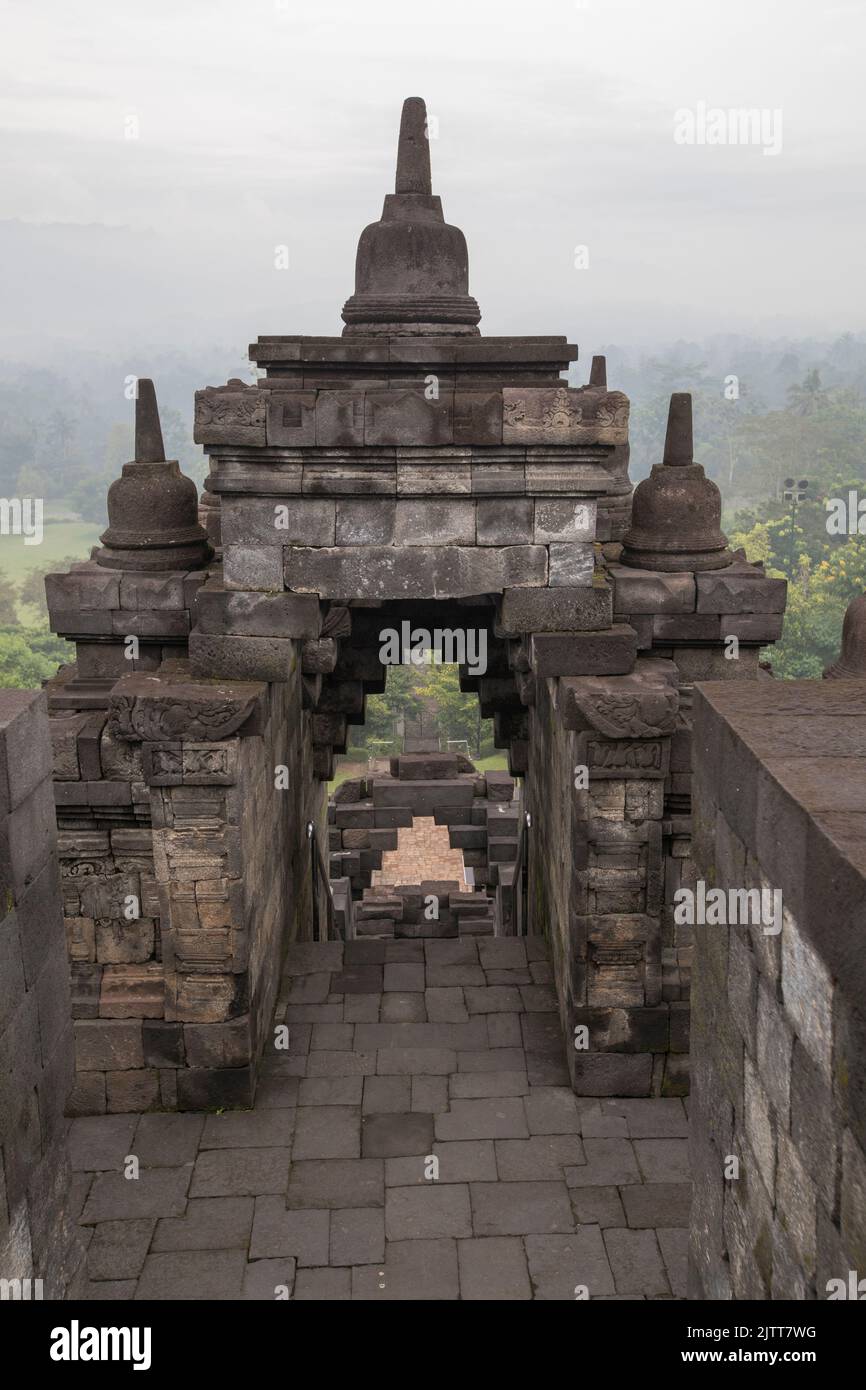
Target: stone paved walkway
404,1057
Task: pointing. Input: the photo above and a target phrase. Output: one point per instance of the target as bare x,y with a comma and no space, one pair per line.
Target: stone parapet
778,1029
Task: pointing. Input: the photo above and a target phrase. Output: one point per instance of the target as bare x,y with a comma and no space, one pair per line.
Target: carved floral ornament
625,707
563,411
167,716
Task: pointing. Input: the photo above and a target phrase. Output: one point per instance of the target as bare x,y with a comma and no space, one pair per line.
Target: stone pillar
38,1240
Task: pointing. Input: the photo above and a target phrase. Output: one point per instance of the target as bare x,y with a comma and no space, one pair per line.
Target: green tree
29,656
8,596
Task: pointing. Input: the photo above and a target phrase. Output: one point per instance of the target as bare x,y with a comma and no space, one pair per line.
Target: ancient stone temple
432,952
411,474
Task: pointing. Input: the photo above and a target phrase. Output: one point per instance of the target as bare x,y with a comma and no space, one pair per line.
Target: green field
61,541
60,538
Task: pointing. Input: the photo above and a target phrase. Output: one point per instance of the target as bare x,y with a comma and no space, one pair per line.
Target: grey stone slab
100,1142
341,1064
520,1208
472,1085
663,1160
608,1161
361,1008
108,1290
421,1061
501,953
210,1223
310,989
167,1141
358,979
503,1030
456,1036
489,1059
279,1232
332,1037
538,999
314,957
245,1129
192,1275
269,1280
563,1266
445,976
327,1131
429,1212
396,1136
466,1160
155,1192
456,952
636,1262
403,1008
493,1269
657,1204
655,1118
240,1172
278,1092
387,1095
499,1118
331,1090
357,1237
323,1285
406,978
552,1110
597,1121
542,1157
118,1248
429,1094
446,1005
493,999
674,1245
598,1206
337,1182
413,1271
414,1170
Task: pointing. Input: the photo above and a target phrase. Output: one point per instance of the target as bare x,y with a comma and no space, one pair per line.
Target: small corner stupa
677,510
152,506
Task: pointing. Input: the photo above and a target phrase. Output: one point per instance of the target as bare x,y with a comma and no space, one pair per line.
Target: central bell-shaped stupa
412,268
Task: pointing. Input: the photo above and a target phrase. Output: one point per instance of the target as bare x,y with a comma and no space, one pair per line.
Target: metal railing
319,879
516,916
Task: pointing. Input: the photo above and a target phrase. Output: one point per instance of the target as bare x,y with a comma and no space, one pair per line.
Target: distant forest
764,412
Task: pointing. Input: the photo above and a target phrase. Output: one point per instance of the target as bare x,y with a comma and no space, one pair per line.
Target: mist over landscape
154,164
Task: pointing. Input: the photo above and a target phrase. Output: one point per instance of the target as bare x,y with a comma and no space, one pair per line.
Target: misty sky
263,122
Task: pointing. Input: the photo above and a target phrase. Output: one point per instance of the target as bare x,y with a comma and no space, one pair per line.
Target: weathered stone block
291,418
391,573
423,523
266,521
408,417
365,521
553,610
339,419
564,520
571,564
223,611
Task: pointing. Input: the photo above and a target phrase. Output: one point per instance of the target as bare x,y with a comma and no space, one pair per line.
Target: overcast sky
269,122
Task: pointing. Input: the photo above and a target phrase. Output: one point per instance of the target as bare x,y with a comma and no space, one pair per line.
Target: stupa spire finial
149,447
413,149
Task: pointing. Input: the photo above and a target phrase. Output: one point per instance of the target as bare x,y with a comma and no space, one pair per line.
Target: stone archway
410,461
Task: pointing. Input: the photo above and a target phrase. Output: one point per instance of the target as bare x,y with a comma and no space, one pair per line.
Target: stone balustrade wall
778,1108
